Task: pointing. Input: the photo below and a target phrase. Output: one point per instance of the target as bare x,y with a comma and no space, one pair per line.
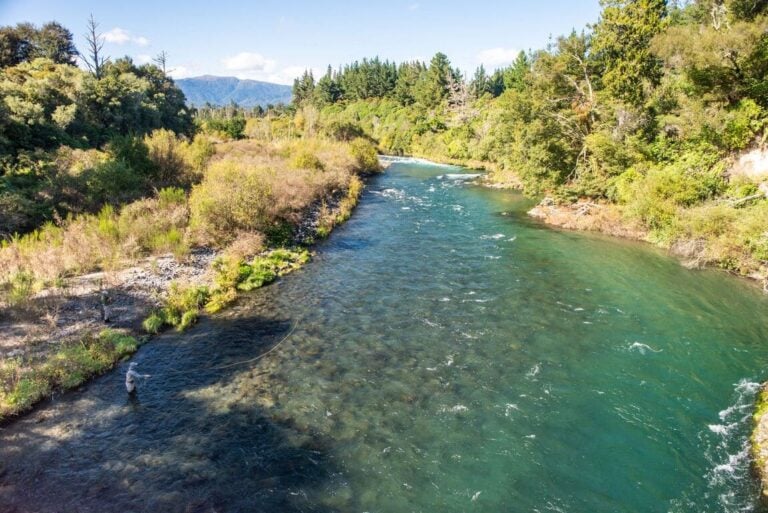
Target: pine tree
432,88
303,88
480,84
514,76
327,90
408,76
621,44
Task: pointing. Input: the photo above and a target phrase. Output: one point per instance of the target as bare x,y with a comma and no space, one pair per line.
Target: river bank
693,253
66,332
608,219
696,244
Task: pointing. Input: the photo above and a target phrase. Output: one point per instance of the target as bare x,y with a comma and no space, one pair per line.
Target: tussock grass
103,241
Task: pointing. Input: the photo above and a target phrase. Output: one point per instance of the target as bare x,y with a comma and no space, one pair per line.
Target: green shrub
180,302
743,123
227,271
342,130
751,227
279,233
188,318
232,128
233,197
741,187
154,323
171,196
21,287
166,153
181,309
259,273
17,213
113,181
233,275
199,152
132,151
220,299
365,154
307,160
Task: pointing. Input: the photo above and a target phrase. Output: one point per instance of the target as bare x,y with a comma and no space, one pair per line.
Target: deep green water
448,355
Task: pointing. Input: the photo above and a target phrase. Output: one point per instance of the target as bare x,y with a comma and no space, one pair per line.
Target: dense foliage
25,42
647,109
71,141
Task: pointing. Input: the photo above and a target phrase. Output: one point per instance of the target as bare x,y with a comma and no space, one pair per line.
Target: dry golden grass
104,241
257,186
250,190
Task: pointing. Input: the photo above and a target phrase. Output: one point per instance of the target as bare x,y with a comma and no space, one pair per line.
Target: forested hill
209,89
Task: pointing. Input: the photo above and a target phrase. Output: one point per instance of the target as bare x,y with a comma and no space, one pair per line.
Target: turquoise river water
444,353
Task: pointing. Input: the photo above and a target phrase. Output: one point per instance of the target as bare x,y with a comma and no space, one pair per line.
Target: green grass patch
25,382
181,310
183,305
235,275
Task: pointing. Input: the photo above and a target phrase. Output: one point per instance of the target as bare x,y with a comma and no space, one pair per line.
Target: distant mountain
223,90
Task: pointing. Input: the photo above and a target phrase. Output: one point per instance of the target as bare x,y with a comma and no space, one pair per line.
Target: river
444,353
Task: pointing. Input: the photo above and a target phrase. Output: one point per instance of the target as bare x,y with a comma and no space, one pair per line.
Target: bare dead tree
94,59
161,60
460,100
719,14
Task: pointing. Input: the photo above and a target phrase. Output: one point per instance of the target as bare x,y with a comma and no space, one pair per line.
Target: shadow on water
189,441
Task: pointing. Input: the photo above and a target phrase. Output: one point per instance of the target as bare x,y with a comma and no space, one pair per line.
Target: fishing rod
241,362
215,367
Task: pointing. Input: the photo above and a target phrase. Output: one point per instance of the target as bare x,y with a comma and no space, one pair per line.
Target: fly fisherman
104,303
131,376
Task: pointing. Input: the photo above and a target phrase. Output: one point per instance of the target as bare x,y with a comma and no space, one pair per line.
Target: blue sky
277,40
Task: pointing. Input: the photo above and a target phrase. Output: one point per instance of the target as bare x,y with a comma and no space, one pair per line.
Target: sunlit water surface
448,354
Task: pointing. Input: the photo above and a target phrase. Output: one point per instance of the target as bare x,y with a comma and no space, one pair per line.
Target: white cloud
143,58
181,72
249,62
117,35
255,66
120,36
497,57
287,74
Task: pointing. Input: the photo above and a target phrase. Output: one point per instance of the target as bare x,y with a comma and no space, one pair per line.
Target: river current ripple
447,354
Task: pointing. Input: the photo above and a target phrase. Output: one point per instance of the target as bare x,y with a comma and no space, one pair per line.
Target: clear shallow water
449,354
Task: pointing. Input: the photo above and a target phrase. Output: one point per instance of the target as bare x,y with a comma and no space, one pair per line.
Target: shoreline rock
759,441
587,216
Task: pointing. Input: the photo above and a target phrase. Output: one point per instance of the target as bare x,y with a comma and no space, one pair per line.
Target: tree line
73,139
48,101
647,109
